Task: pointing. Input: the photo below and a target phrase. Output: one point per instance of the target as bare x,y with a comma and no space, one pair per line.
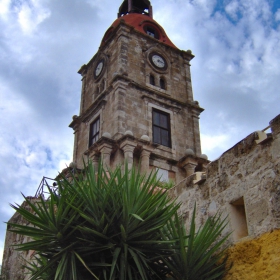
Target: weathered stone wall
244,185
13,260
247,177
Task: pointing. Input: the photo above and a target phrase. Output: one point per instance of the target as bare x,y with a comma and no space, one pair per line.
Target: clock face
99,68
158,61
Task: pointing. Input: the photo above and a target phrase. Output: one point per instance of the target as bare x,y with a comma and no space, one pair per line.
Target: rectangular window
162,83
238,219
161,128
152,80
94,131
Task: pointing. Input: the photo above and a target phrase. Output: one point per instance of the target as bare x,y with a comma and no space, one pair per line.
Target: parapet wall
244,185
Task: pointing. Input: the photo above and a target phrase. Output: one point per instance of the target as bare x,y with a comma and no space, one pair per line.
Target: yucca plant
101,225
200,255
117,225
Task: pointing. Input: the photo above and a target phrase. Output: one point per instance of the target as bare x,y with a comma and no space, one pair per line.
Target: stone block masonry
244,185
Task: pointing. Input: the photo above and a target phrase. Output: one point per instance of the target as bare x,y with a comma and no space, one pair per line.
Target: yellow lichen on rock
256,259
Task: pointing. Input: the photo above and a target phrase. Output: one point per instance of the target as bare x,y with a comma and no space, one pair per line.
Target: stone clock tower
137,102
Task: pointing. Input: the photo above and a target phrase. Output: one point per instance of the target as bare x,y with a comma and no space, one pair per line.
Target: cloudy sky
236,76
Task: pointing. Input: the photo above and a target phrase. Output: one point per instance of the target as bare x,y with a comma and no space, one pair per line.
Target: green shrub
116,225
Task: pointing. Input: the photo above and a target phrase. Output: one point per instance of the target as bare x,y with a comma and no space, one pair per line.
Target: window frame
152,80
151,31
93,136
162,83
161,128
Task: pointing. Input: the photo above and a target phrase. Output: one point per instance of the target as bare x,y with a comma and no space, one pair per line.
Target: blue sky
43,43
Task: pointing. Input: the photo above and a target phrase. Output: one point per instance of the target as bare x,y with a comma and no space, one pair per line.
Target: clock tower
137,102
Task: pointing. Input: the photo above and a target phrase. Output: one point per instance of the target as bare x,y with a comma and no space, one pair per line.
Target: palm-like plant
113,225
104,225
198,253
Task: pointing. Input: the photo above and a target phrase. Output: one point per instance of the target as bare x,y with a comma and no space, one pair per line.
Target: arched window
152,79
151,31
162,83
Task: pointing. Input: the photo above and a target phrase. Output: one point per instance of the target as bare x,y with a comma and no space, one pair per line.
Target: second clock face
99,68
158,61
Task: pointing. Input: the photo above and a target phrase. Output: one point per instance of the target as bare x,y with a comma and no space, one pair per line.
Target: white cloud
101,6
255,9
31,14
206,5
214,144
64,163
232,9
4,8
29,149
24,19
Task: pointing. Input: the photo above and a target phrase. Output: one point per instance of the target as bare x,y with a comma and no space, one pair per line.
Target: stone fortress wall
13,260
244,185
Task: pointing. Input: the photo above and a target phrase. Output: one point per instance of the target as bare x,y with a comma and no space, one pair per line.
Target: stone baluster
145,161
95,161
189,168
128,149
106,151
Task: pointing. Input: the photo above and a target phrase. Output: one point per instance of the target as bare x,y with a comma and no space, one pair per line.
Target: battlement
246,178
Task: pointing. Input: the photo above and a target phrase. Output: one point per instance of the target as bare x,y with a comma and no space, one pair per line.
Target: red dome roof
145,25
